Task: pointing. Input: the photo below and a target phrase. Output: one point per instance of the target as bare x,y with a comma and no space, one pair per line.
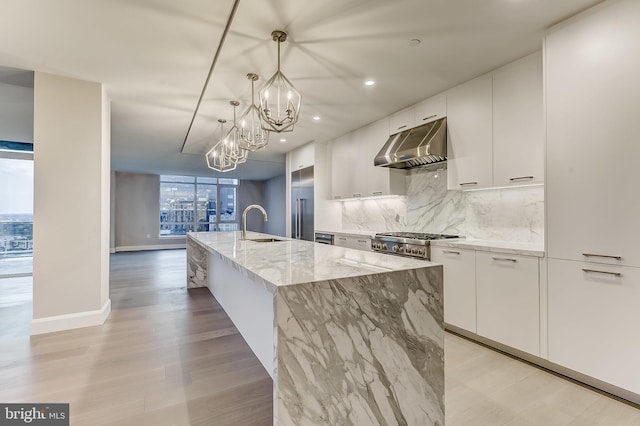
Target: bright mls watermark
34,414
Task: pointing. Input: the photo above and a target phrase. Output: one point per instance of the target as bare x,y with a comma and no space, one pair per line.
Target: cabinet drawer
459,267
508,300
341,241
593,320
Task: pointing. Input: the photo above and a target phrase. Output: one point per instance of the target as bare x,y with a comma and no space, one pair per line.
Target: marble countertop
507,247
290,262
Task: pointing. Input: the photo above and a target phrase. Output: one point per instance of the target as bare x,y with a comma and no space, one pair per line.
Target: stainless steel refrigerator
302,204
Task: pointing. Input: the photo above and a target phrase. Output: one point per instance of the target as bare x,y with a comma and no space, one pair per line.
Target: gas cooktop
413,244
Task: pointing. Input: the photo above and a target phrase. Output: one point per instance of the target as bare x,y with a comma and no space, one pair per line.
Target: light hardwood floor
167,356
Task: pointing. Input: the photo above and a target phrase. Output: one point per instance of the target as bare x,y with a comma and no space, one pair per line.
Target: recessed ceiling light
414,42
283,140
316,117
369,83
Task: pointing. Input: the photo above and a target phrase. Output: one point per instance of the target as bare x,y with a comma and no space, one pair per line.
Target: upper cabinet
353,172
518,147
430,109
402,120
495,128
302,157
470,134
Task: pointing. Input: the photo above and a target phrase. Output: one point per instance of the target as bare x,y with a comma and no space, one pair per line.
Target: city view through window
190,203
16,216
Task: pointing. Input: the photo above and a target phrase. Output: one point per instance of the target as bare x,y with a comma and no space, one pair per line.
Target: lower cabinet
508,300
594,312
352,241
459,266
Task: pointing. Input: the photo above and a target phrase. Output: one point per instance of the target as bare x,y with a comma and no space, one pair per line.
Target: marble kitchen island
349,337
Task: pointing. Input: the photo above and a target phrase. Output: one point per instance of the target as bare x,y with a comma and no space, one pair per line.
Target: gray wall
137,211
275,204
252,192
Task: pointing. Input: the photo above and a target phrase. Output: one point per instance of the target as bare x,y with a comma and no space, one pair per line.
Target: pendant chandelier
252,136
279,99
217,158
235,153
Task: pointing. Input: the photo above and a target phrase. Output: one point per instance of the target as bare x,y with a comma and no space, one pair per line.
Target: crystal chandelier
279,100
235,153
252,136
217,158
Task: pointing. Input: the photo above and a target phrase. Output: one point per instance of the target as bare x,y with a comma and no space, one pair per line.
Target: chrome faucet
244,218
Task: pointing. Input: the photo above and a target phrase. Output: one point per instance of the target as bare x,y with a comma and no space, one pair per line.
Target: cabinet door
361,243
302,157
509,300
459,268
593,321
470,134
431,109
378,180
593,149
342,172
518,135
402,120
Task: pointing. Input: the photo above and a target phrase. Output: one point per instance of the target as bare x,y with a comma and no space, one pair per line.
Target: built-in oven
324,238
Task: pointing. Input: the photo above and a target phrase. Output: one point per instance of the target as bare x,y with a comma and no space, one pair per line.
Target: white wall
514,214
16,113
275,200
71,203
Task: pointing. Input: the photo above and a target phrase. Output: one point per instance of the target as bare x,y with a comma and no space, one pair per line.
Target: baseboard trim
71,321
152,247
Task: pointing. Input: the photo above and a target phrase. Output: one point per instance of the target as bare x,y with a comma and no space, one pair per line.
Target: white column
71,204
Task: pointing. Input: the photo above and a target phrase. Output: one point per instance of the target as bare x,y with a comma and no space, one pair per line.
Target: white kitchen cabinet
508,300
353,172
431,109
352,241
518,133
401,121
593,149
470,134
593,321
459,267
302,157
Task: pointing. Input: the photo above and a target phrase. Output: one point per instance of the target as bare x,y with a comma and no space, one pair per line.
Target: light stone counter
506,247
350,337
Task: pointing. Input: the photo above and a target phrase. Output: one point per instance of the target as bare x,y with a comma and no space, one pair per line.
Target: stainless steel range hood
415,147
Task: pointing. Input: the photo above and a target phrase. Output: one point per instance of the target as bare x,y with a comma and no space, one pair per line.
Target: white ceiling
153,57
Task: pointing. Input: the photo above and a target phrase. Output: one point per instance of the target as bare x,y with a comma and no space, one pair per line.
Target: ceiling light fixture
279,99
369,83
252,136
316,117
235,153
414,42
217,156
283,140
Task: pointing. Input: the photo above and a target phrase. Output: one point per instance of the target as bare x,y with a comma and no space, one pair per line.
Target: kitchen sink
264,240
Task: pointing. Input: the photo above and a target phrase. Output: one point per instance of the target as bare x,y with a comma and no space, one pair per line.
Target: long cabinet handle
505,259
337,197
402,127
376,193
450,252
357,195
602,255
431,116
468,183
594,271
516,179
363,241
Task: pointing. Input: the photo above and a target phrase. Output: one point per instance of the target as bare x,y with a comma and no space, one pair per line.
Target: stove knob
421,252
401,250
395,249
375,245
383,246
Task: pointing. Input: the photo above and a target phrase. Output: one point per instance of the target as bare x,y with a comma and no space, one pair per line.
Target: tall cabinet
592,157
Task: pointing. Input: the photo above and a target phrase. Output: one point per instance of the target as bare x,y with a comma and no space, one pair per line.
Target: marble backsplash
512,214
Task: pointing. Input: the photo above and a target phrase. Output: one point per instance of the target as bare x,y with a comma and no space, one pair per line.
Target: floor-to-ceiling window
190,203
16,216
